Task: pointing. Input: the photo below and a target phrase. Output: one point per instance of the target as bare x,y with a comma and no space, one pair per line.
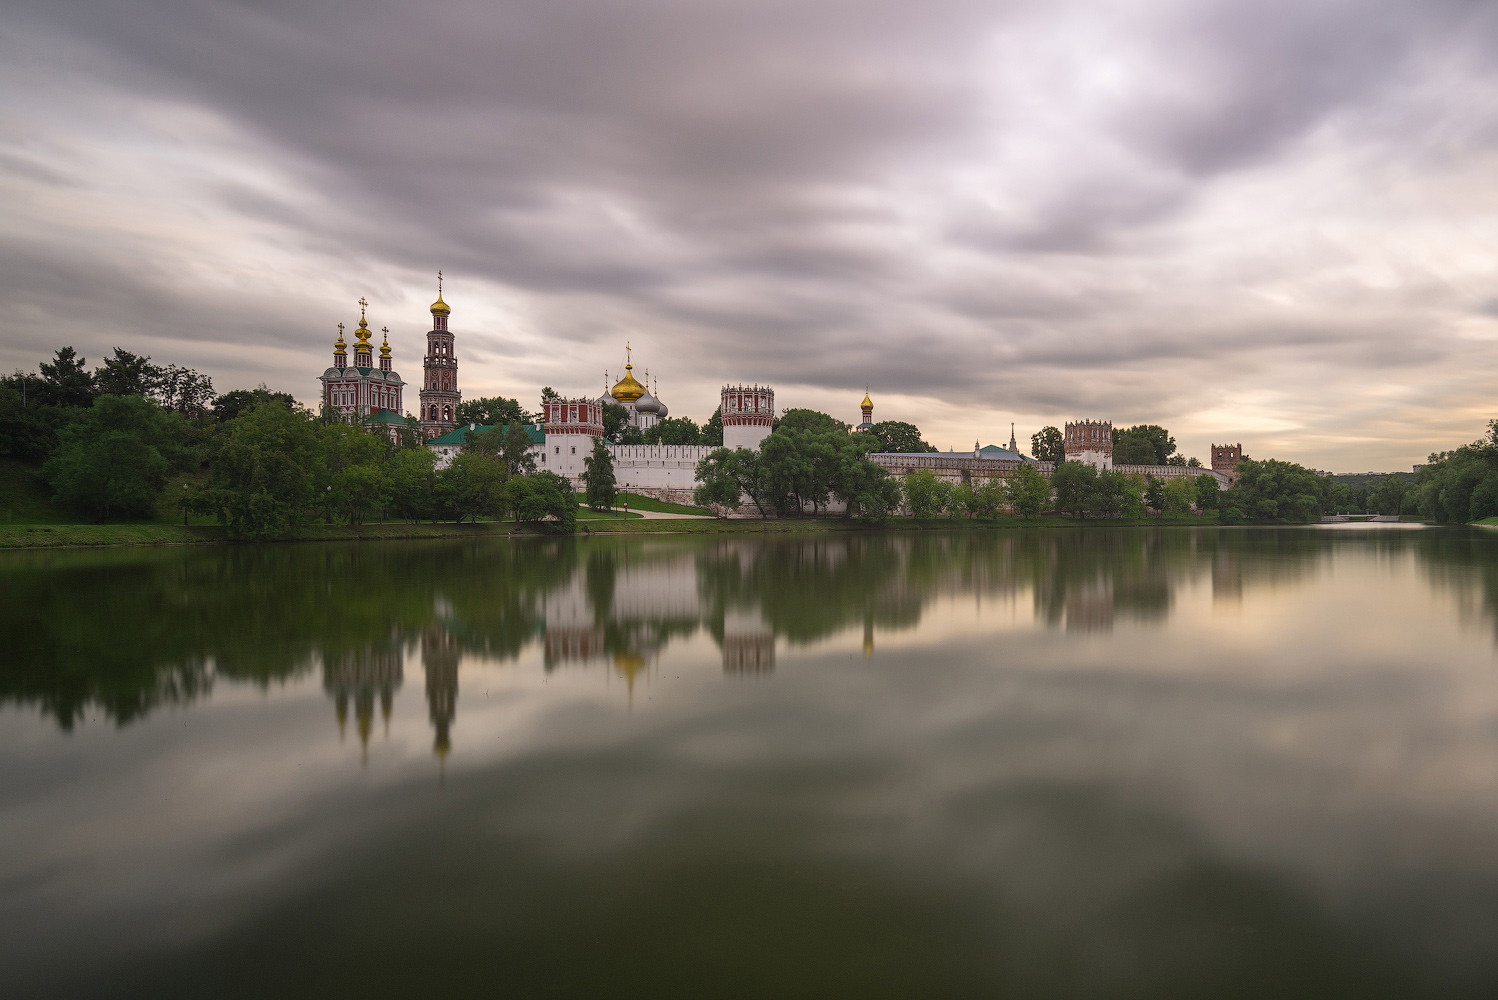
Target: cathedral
363,393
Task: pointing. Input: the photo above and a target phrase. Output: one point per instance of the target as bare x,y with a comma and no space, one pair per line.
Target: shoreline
23,537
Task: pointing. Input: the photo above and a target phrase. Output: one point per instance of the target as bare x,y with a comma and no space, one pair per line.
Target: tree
1179,495
1144,444
615,422
473,486
673,430
65,381
812,420
1116,494
726,476
493,410
412,477
1270,490
1074,483
510,443
1193,462
712,431
125,374
947,502
114,460
266,472
598,476
543,500
1154,495
549,395
1048,445
1027,491
235,402
898,436
182,389
358,493
922,494
1207,491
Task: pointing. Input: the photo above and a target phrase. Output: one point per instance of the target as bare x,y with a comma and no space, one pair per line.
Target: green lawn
24,498
637,502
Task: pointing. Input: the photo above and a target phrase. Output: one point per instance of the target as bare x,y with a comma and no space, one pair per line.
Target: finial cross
363,305
439,284
627,356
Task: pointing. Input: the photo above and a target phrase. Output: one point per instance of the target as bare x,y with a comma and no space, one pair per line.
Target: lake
1177,762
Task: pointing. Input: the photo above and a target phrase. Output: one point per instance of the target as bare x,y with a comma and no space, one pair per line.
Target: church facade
360,392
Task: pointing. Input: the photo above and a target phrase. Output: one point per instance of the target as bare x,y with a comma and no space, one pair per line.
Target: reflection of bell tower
439,658
868,638
363,675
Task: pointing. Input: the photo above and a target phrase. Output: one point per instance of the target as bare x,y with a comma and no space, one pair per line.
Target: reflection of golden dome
627,390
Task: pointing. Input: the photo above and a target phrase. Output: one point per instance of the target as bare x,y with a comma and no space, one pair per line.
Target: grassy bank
637,502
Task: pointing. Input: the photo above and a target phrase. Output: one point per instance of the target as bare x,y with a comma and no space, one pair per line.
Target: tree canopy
493,410
1048,445
1144,444
899,436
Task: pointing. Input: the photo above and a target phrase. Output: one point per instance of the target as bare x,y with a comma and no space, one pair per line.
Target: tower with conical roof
439,388
867,406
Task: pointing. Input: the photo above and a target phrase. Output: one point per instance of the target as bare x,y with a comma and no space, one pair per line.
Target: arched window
447,413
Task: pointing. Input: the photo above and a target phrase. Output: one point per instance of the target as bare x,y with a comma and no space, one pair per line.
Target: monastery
373,394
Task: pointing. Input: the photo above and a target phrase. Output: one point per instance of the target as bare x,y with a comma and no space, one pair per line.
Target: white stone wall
657,466
746,436
1097,459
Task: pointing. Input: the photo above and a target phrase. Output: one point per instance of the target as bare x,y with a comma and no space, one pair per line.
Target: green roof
386,417
460,436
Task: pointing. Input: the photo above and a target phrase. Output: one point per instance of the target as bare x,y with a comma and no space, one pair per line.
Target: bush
114,460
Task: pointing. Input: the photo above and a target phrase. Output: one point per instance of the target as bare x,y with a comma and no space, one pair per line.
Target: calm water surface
1050,763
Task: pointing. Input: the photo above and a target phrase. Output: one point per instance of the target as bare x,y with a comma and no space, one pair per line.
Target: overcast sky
1266,221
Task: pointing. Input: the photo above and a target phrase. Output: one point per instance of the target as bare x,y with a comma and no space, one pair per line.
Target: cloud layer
1267,222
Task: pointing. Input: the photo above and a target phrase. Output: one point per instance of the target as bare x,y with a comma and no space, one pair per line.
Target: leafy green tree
898,436
726,476
795,466
267,472
1074,483
412,479
1145,444
1027,491
125,374
114,460
879,498
598,477
360,493
673,430
544,500
1048,445
712,431
1193,462
922,493
235,402
810,420
1154,495
1179,495
1271,490
615,422
549,395
491,410
65,380
473,486
28,425
947,502
182,389
1114,494
1208,491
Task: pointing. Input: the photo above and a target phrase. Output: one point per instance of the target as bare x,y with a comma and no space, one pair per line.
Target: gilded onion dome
627,389
867,404
385,347
363,333
439,308
339,347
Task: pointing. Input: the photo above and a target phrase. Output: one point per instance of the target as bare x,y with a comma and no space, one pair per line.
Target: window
559,449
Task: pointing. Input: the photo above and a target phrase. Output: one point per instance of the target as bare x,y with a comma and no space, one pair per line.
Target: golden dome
627,390
385,348
867,404
363,333
340,347
439,308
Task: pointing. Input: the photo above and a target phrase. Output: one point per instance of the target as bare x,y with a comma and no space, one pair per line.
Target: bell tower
439,387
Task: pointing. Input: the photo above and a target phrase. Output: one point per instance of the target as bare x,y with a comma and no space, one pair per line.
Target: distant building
1225,457
1090,441
361,392
439,391
867,408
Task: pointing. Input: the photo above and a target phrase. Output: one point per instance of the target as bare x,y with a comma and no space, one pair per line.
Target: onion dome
340,347
663,412
439,308
627,389
385,348
867,404
647,404
363,333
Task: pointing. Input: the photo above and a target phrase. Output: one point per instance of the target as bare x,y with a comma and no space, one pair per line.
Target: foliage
28,425
673,430
712,431
1180,494
472,486
1048,445
810,420
1208,492
1074,483
510,443
898,436
549,395
265,469
128,374
234,403
1193,462
1154,494
1459,485
493,410
65,382
1026,491
726,476
1145,444
544,500
922,493
598,477
615,422
411,479
114,459
1271,490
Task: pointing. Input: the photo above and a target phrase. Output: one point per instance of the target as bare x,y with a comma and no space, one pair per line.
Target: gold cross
439,284
362,306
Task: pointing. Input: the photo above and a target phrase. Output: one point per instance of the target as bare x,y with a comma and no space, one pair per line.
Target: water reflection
123,633
1041,763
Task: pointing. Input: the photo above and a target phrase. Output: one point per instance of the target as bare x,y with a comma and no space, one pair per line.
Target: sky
1272,222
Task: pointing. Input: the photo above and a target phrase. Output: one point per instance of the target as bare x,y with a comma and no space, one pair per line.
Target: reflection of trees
1456,558
124,631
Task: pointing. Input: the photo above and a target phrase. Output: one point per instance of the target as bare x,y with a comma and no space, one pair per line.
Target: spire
340,350
1013,445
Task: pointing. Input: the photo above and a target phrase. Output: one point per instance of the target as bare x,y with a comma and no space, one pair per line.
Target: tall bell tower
439,387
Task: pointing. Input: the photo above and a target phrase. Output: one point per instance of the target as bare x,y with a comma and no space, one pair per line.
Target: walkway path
652,515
